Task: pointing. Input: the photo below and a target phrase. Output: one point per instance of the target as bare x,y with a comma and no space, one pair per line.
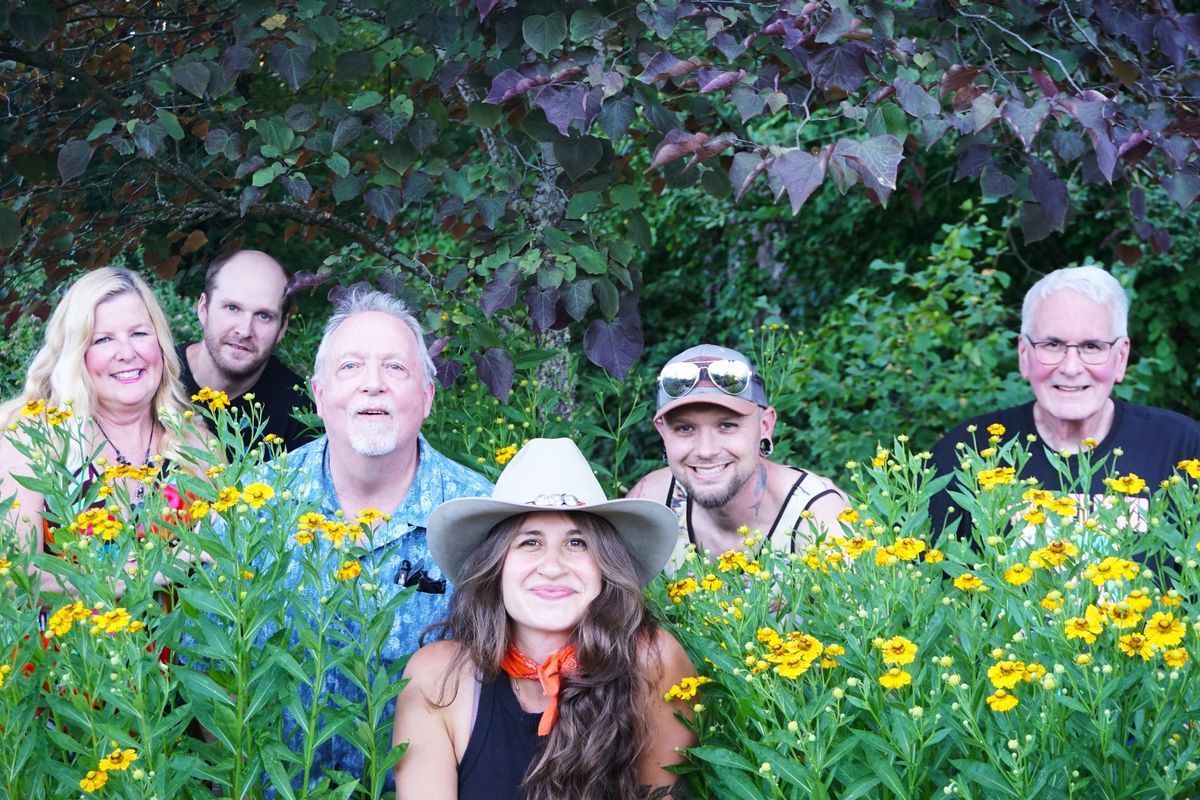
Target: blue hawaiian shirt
437,479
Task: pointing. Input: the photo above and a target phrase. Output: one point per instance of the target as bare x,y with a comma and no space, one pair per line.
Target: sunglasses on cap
731,377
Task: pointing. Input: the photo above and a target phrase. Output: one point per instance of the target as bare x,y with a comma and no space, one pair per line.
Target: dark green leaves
292,64
32,22
192,76
544,33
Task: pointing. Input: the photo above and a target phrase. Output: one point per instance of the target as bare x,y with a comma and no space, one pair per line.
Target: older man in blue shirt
373,384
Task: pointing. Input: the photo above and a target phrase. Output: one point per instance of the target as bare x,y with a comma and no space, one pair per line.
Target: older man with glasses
716,427
1073,349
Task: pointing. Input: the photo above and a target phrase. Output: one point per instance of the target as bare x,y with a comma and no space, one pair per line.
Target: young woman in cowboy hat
550,676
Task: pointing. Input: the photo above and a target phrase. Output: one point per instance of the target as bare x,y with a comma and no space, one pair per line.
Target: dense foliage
494,152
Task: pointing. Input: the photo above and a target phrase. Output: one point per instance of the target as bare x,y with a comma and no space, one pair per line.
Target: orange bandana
549,674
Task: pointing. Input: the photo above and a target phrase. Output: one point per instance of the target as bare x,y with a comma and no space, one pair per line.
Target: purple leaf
448,74
932,130
1050,192
297,186
1137,202
877,159
676,144
1045,83
711,148
450,207
712,80
300,117
578,156
416,186
1184,186
1035,225
972,161
616,117
248,198
983,112
799,173
1133,141
996,184
541,302
957,77
73,159
501,291
841,66
485,7
615,345
346,132
447,371
747,166
577,297
566,107
1067,145
664,66
1026,122
235,60
192,76
491,208
496,370
1177,148
915,100
748,101
292,64
729,46
388,127
839,24
384,202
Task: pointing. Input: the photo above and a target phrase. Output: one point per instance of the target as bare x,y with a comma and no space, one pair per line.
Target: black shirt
1153,441
274,389
503,744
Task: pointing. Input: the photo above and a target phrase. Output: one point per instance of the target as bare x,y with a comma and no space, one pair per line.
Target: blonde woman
108,353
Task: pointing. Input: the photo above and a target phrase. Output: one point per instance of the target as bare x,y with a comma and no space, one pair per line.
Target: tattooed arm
676,791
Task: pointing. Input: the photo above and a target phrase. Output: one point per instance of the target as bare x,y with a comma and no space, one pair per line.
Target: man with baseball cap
716,426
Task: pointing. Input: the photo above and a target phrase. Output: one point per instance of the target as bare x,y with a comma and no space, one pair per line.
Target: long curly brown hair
592,752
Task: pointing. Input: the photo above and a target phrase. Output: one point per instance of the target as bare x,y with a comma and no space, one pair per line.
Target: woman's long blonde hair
57,373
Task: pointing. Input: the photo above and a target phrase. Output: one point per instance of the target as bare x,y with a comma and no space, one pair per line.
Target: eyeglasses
1052,352
731,377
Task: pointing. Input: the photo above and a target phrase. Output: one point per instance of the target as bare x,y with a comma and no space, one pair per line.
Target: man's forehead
1070,315
372,333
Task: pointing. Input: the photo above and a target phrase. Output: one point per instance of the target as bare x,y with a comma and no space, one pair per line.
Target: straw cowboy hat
551,475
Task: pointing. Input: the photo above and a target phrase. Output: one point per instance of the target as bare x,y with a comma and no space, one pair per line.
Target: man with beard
373,382
716,426
244,313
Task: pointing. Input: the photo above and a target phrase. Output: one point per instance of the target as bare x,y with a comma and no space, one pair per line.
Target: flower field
1050,656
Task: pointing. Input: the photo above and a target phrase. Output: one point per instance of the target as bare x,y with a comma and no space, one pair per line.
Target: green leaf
339,165
544,33
101,128
325,28
607,297
32,22
581,204
484,115
170,124
192,76
366,100
585,24
10,227
266,175
589,260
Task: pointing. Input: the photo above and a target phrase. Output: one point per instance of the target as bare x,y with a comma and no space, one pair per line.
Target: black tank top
503,744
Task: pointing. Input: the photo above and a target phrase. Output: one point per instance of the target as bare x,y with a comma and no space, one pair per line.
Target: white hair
1092,282
361,299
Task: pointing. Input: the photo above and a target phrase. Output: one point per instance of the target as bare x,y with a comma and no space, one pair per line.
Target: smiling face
371,391
550,575
713,450
242,316
124,360
1072,392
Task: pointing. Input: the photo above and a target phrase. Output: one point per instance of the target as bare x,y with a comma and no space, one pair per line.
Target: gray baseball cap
705,390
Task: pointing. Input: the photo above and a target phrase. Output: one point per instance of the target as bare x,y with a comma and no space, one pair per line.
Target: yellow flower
1063,506
895,678
880,458
934,556
898,650
1175,657
216,399
1138,600
732,560
1110,569
1054,554
969,582
33,408
5,669
996,429
119,760
503,454
213,472
1171,598
1135,644
304,537
113,621
335,531
57,416
368,516
991,478
1123,615
226,499
247,574
686,689
1126,484
1090,444
1034,516
1006,674
1083,659
711,582
1163,630
93,781
907,548
1084,628
198,510
1018,574
348,571
1001,701
1191,466
769,637
857,545
681,589
257,494
848,516
271,438
60,621
1034,672
311,521
1037,497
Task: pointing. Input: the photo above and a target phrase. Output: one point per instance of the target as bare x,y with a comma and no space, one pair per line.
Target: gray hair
361,299
1092,282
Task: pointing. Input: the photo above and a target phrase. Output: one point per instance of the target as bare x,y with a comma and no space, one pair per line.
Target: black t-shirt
1153,441
274,390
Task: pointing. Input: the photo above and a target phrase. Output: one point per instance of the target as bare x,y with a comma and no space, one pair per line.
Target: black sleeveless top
503,744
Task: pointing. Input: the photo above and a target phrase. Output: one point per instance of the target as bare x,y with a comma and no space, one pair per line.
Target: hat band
559,500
